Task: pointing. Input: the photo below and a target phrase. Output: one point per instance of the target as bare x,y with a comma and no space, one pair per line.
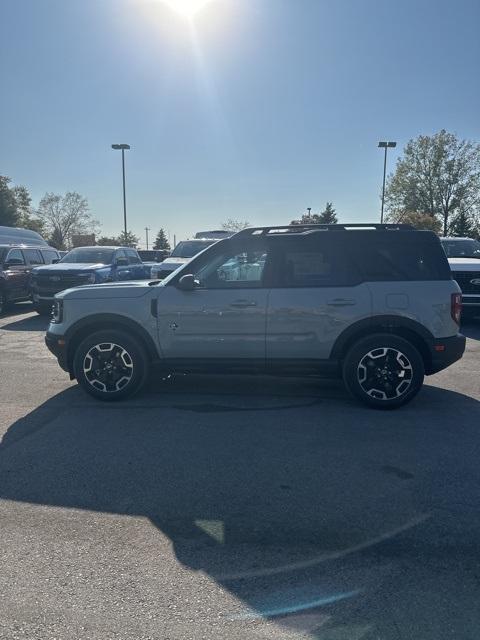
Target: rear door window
33,256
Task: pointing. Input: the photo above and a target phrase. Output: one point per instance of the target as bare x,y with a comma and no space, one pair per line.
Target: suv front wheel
383,371
110,365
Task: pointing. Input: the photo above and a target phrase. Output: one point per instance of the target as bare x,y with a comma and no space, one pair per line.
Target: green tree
439,176
127,240
15,207
235,225
423,221
161,241
465,225
328,216
64,216
107,241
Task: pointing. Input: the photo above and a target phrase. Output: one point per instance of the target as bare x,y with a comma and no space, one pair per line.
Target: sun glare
187,8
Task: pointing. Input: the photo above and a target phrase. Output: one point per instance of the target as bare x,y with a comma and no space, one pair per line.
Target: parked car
464,258
182,253
16,263
153,255
15,236
85,265
377,305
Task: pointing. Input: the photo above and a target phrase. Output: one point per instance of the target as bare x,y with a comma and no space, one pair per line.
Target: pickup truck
464,258
16,264
81,266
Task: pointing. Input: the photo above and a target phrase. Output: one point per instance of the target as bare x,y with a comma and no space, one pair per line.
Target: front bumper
58,346
446,351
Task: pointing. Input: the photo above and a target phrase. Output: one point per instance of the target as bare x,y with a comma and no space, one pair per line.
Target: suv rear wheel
110,365
383,371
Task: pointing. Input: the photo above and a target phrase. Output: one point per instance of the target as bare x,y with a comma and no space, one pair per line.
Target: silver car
375,304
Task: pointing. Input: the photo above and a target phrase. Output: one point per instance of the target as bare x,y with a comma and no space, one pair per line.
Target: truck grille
464,280
50,284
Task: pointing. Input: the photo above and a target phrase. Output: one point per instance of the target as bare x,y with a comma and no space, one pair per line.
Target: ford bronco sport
375,304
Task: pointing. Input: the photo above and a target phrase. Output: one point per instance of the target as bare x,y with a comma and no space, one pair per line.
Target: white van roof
15,235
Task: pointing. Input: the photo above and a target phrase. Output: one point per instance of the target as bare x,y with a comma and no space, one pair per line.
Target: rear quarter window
410,259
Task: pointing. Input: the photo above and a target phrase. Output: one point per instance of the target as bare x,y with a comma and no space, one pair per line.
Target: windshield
89,255
461,248
190,248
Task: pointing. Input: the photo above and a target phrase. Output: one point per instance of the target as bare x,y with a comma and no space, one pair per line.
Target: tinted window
33,256
132,257
190,248
409,260
461,248
317,262
89,255
49,256
15,256
240,267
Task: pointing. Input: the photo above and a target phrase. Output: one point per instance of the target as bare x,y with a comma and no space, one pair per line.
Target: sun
187,8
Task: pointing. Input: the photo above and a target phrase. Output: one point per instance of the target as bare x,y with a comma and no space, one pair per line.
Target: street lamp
147,229
123,147
385,145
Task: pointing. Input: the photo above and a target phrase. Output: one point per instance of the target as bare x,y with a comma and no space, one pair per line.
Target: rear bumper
446,351
58,346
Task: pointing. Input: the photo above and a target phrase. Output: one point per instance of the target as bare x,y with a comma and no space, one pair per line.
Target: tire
43,309
3,301
391,382
110,365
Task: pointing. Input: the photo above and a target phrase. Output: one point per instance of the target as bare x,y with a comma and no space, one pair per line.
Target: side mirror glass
187,282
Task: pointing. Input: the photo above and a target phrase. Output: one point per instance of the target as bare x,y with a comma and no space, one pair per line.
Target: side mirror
187,282
121,262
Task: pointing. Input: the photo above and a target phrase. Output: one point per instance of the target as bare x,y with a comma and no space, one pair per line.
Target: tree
328,216
15,207
465,225
439,176
106,241
423,221
161,241
235,225
127,240
64,216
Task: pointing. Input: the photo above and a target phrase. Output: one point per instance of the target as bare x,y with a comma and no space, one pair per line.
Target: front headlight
57,311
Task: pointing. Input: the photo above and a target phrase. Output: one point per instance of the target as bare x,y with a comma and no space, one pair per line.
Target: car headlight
57,311
91,278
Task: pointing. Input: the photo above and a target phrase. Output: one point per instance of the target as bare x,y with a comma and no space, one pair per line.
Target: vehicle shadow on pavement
327,518
16,310
30,323
471,329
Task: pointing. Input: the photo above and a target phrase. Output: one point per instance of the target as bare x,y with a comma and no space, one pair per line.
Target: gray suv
375,304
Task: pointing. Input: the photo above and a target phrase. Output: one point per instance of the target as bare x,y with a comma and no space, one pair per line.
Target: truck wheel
110,365
3,301
383,371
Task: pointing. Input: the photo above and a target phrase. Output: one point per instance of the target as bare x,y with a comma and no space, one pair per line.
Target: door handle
341,302
243,304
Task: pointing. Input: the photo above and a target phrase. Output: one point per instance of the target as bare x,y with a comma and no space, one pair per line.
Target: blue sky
258,110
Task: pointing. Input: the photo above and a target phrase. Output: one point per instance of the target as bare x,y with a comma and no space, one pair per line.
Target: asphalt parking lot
235,507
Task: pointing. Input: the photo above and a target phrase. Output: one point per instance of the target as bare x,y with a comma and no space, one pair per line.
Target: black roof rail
304,229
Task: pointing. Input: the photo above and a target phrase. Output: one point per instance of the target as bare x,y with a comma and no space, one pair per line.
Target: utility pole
122,147
147,229
385,145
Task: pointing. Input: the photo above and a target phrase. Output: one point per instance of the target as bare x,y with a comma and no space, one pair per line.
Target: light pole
123,147
147,229
385,145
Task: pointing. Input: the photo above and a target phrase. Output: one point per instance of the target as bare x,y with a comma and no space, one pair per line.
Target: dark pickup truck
85,265
16,263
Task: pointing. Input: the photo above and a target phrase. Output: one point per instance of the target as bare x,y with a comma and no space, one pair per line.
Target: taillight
456,308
